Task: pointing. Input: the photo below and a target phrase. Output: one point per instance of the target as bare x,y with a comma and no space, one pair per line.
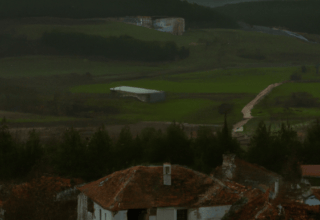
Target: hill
298,16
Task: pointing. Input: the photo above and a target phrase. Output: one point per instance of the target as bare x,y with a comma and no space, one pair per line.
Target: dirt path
246,111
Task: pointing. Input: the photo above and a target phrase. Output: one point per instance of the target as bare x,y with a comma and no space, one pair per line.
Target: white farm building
144,95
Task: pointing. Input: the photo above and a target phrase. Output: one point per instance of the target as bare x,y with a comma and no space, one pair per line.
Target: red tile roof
142,187
53,184
254,201
310,170
298,211
248,174
316,192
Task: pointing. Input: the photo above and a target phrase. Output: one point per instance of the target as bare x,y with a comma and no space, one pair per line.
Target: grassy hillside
195,86
296,101
195,15
299,16
209,48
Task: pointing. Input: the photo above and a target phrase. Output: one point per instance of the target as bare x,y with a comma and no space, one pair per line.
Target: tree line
195,15
119,48
101,155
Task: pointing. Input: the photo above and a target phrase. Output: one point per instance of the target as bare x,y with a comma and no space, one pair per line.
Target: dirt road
246,111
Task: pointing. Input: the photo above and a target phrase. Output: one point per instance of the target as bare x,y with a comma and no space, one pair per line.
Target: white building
168,192
144,95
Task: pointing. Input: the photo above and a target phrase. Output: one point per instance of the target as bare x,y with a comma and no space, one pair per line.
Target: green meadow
30,66
209,49
249,80
273,106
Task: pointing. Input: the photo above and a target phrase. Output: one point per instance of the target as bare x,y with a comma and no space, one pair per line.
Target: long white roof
134,89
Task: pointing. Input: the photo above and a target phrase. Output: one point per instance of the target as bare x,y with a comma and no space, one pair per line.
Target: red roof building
158,192
310,170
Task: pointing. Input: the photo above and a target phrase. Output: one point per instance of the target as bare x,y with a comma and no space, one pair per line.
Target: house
168,192
144,95
175,26
248,174
172,25
311,174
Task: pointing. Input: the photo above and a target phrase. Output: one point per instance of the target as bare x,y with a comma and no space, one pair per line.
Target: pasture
209,49
211,88
244,80
224,66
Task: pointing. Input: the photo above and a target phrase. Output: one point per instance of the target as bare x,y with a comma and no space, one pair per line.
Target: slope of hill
298,16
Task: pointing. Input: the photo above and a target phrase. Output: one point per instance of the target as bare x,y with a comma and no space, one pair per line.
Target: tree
124,149
224,109
275,152
225,139
99,154
32,152
71,155
295,76
286,148
152,143
311,144
177,147
206,150
260,151
8,152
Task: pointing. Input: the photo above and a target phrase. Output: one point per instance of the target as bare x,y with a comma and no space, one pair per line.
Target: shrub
295,77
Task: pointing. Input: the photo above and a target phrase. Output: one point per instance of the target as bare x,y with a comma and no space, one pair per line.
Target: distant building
174,26
311,174
144,95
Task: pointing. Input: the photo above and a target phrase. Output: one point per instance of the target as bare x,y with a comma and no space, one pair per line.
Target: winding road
246,111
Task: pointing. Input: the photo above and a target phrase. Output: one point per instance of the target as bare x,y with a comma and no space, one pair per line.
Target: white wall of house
105,214
121,215
82,207
212,213
166,213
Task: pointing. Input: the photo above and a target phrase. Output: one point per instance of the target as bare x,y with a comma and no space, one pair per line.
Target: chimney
228,165
276,188
167,174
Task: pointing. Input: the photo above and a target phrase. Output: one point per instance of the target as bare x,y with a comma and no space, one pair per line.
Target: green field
31,66
245,82
209,49
249,80
274,104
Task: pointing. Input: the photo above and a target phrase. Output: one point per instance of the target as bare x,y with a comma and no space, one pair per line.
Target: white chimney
228,165
167,174
276,188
